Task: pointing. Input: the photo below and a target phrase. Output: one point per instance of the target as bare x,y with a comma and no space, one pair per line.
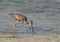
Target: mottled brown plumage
18,17
21,18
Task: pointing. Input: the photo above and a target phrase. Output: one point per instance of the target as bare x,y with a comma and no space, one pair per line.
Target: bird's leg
22,23
16,23
15,28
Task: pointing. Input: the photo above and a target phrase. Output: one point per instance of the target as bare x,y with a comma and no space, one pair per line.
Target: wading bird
21,18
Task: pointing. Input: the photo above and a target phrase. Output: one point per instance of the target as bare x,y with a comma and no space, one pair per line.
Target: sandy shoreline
34,38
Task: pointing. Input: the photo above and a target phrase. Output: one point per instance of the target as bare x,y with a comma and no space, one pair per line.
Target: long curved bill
32,28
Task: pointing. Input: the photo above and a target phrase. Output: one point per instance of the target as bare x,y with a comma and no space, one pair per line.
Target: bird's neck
25,22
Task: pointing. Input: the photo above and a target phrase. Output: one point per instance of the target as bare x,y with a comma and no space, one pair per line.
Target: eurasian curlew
21,18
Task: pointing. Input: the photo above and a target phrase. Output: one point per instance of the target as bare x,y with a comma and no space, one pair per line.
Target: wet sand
33,38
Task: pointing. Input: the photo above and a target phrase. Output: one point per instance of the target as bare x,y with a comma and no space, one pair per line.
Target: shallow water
44,14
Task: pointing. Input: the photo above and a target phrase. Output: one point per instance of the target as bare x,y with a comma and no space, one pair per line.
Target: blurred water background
44,13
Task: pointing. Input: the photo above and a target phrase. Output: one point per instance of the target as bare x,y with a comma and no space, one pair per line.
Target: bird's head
30,23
